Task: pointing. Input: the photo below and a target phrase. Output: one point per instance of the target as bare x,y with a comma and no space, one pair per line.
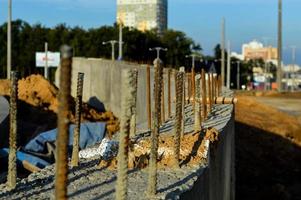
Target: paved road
4,108
288,105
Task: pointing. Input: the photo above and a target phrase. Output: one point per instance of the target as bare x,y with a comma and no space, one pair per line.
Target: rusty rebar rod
162,101
169,92
78,112
204,95
189,88
61,164
178,118
12,156
148,98
182,70
193,87
128,96
134,108
209,93
152,175
219,85
197,120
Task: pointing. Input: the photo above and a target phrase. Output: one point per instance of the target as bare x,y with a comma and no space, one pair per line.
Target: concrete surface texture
4,109
102,85
211,179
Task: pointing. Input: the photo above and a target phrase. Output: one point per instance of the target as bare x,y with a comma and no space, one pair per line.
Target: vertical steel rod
169,93
152,176
197,120
128,96
148,98
204,95
12,156
61,163
163,101
78,112
209,92
134,108
182,70
178,118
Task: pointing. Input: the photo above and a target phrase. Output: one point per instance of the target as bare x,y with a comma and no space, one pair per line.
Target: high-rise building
143,14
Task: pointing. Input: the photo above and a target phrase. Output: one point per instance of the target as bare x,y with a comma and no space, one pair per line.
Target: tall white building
143,14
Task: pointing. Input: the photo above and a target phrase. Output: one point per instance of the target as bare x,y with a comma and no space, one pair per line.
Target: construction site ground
268,150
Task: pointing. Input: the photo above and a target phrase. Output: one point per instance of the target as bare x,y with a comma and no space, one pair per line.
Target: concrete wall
217,180
102,84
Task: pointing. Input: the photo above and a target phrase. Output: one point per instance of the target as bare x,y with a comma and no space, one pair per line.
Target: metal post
120,56
12,156
197,120
193,81
293,74
113,51
178,120
169,93
152,176
223,52
129,82
148,97
46,61
279,60
182,70
204,95
134,108
61,164
78,111
209,92
9,40
163,102
238,75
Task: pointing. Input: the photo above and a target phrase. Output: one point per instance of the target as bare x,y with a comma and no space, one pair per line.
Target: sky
199,19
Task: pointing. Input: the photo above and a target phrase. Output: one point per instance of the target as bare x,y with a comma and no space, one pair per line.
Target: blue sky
200,19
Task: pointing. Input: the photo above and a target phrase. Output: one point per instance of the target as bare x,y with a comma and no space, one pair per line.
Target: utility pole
120,41
158,49
238,75
293,74
46,61
279,63
223,37
9,39
112,42
229,65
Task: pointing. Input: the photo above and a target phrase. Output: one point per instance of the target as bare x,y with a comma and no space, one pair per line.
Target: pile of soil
38,106
268,151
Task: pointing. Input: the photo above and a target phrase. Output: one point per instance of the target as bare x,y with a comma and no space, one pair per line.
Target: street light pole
293,66
9,38
279,61
238,75
112,42
120,41
223,52
46,61
158,49
229,65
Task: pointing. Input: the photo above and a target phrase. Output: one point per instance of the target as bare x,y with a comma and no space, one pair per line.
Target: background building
256,50
143,14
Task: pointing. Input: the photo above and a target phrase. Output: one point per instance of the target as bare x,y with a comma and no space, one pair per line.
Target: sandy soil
38,106
268,151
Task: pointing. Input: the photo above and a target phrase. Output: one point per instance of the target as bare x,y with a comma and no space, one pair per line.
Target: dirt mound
39,105
268,151
251,112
